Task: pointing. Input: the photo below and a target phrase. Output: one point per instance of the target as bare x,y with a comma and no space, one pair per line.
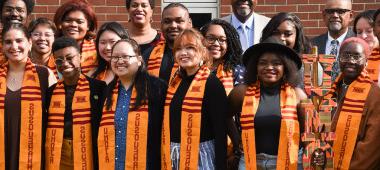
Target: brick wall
307,10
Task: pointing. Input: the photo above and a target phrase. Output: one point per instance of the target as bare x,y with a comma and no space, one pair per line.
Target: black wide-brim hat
271,44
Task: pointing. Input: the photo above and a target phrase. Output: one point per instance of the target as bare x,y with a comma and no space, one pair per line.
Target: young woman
268,105
194,125
130,130
23,86
363,28
109,33
42,33
76,19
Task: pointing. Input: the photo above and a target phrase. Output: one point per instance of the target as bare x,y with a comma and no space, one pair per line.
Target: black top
268,121
12,121
213,121
97,88
147,48
68,120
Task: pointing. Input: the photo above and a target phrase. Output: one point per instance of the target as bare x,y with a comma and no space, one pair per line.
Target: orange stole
31,118
373,65
88,53
226,77
348,124
289,132
155,59
51,65
81,111
137,135
191,122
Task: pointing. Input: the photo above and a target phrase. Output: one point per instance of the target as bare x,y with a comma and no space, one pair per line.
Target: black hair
234,51
128,3
16,26
376,14
175,4
116,28
290,70
140,81
28,3
63,42
41,21
302,44
368,15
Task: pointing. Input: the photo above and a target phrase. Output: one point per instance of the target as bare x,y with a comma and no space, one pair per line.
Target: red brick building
309,11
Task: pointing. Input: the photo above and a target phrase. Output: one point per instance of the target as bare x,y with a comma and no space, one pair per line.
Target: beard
335,27
244,11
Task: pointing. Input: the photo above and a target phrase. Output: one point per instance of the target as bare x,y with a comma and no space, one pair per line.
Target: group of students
76,97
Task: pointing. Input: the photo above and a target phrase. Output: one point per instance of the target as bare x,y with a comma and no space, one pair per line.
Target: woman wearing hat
268,105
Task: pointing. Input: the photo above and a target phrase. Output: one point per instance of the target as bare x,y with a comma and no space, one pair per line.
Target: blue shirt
121,119
249,26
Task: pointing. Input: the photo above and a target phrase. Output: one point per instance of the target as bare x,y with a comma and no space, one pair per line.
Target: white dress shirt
329,39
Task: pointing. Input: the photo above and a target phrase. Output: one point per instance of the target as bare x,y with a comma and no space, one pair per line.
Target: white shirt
249,26
329,39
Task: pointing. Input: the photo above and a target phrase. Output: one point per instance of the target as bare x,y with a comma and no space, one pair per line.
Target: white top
329,39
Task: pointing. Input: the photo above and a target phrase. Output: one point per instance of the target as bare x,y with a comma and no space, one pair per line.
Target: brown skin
243,9
350,69
14,11
338,24
70,69
287,33
174,21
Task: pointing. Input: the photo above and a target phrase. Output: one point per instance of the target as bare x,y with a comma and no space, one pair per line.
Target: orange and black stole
190,122
226,77
88,56
81,111
155,59
289,132
51,65
31,118
373,65
137,135
350,115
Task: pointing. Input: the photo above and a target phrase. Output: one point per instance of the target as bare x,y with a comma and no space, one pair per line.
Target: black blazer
97,89
321,40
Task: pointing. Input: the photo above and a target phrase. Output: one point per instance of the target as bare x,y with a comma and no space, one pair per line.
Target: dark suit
321,41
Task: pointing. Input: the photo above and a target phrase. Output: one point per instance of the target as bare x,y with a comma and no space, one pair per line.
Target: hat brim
255,51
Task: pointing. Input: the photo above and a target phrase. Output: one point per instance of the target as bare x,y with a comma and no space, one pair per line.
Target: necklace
344,85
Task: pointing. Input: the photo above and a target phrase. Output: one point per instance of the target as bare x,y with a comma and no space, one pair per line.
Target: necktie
334,51
243,37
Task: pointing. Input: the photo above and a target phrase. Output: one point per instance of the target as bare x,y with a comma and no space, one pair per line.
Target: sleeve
366,153
216,102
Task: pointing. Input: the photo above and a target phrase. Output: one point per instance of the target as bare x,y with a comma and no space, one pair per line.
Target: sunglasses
336,10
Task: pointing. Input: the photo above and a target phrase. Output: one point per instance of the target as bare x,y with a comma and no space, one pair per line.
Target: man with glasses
337,16
74,112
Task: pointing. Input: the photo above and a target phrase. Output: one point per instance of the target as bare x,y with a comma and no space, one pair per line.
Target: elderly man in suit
337,16
248,24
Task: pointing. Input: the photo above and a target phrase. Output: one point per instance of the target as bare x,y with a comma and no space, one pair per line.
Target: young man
74,112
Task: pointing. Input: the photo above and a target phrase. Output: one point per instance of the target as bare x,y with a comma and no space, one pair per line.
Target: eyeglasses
122,57
337,10
347,57
19,10
60,61
40,34
212,39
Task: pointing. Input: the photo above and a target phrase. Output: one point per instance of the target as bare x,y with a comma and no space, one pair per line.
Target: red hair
357,40
77,5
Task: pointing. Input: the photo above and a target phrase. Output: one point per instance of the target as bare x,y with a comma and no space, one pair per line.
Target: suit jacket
321,40
260,21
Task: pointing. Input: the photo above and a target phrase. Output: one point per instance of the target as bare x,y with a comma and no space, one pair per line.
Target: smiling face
287,33
42,39
124,60
365,31
140,12
14,11
270,69
106,40
174,21
337,15
75,25
216,42
16,46
352,61
68,62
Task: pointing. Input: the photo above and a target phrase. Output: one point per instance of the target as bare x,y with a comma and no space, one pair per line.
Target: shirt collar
340,39
236,23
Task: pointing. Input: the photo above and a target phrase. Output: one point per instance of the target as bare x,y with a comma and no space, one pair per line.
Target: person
376,30
363,28
14,11
109,33
130,130
194,125
268,103
42,32
160,62
74,112
337,16
247,23
355,120
77,19
23,87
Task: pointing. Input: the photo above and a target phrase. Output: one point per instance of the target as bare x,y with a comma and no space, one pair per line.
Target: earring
201,63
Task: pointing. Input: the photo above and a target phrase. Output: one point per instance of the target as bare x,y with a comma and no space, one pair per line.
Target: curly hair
77,5
302,45
28,3
233,54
